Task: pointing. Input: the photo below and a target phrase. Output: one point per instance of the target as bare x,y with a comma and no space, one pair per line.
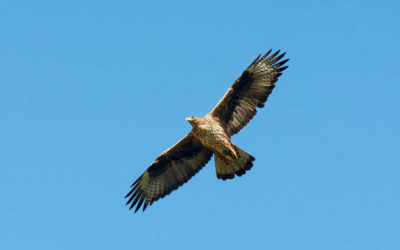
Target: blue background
92,92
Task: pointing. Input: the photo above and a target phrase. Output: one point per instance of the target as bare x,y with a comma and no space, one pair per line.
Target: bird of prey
211,136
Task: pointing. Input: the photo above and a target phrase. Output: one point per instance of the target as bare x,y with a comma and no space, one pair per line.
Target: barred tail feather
227,169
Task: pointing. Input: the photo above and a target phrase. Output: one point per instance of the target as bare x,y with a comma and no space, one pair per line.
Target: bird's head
194,120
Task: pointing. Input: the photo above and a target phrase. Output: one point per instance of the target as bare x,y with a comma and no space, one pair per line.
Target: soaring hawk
211,136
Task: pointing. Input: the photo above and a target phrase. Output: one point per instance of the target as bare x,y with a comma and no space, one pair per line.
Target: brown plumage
211,135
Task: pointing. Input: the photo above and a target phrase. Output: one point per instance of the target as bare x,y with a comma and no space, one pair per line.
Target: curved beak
189,119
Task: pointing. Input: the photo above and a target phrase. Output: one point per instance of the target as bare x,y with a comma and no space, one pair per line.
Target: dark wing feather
249,91
170,170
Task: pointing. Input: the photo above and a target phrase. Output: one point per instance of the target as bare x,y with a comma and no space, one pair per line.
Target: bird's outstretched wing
249,91
170,170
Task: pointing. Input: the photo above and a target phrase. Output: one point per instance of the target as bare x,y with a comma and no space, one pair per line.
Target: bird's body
211,135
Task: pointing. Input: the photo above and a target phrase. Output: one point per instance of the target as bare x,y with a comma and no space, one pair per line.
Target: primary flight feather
211,136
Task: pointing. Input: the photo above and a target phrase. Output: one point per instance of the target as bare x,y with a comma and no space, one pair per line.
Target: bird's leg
230,154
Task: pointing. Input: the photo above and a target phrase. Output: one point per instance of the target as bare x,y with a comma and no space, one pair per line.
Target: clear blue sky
92,91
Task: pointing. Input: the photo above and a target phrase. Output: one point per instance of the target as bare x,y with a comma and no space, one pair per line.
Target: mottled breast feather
212,135
249,91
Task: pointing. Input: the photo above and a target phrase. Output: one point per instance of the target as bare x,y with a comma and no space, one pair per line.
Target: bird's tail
227,169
